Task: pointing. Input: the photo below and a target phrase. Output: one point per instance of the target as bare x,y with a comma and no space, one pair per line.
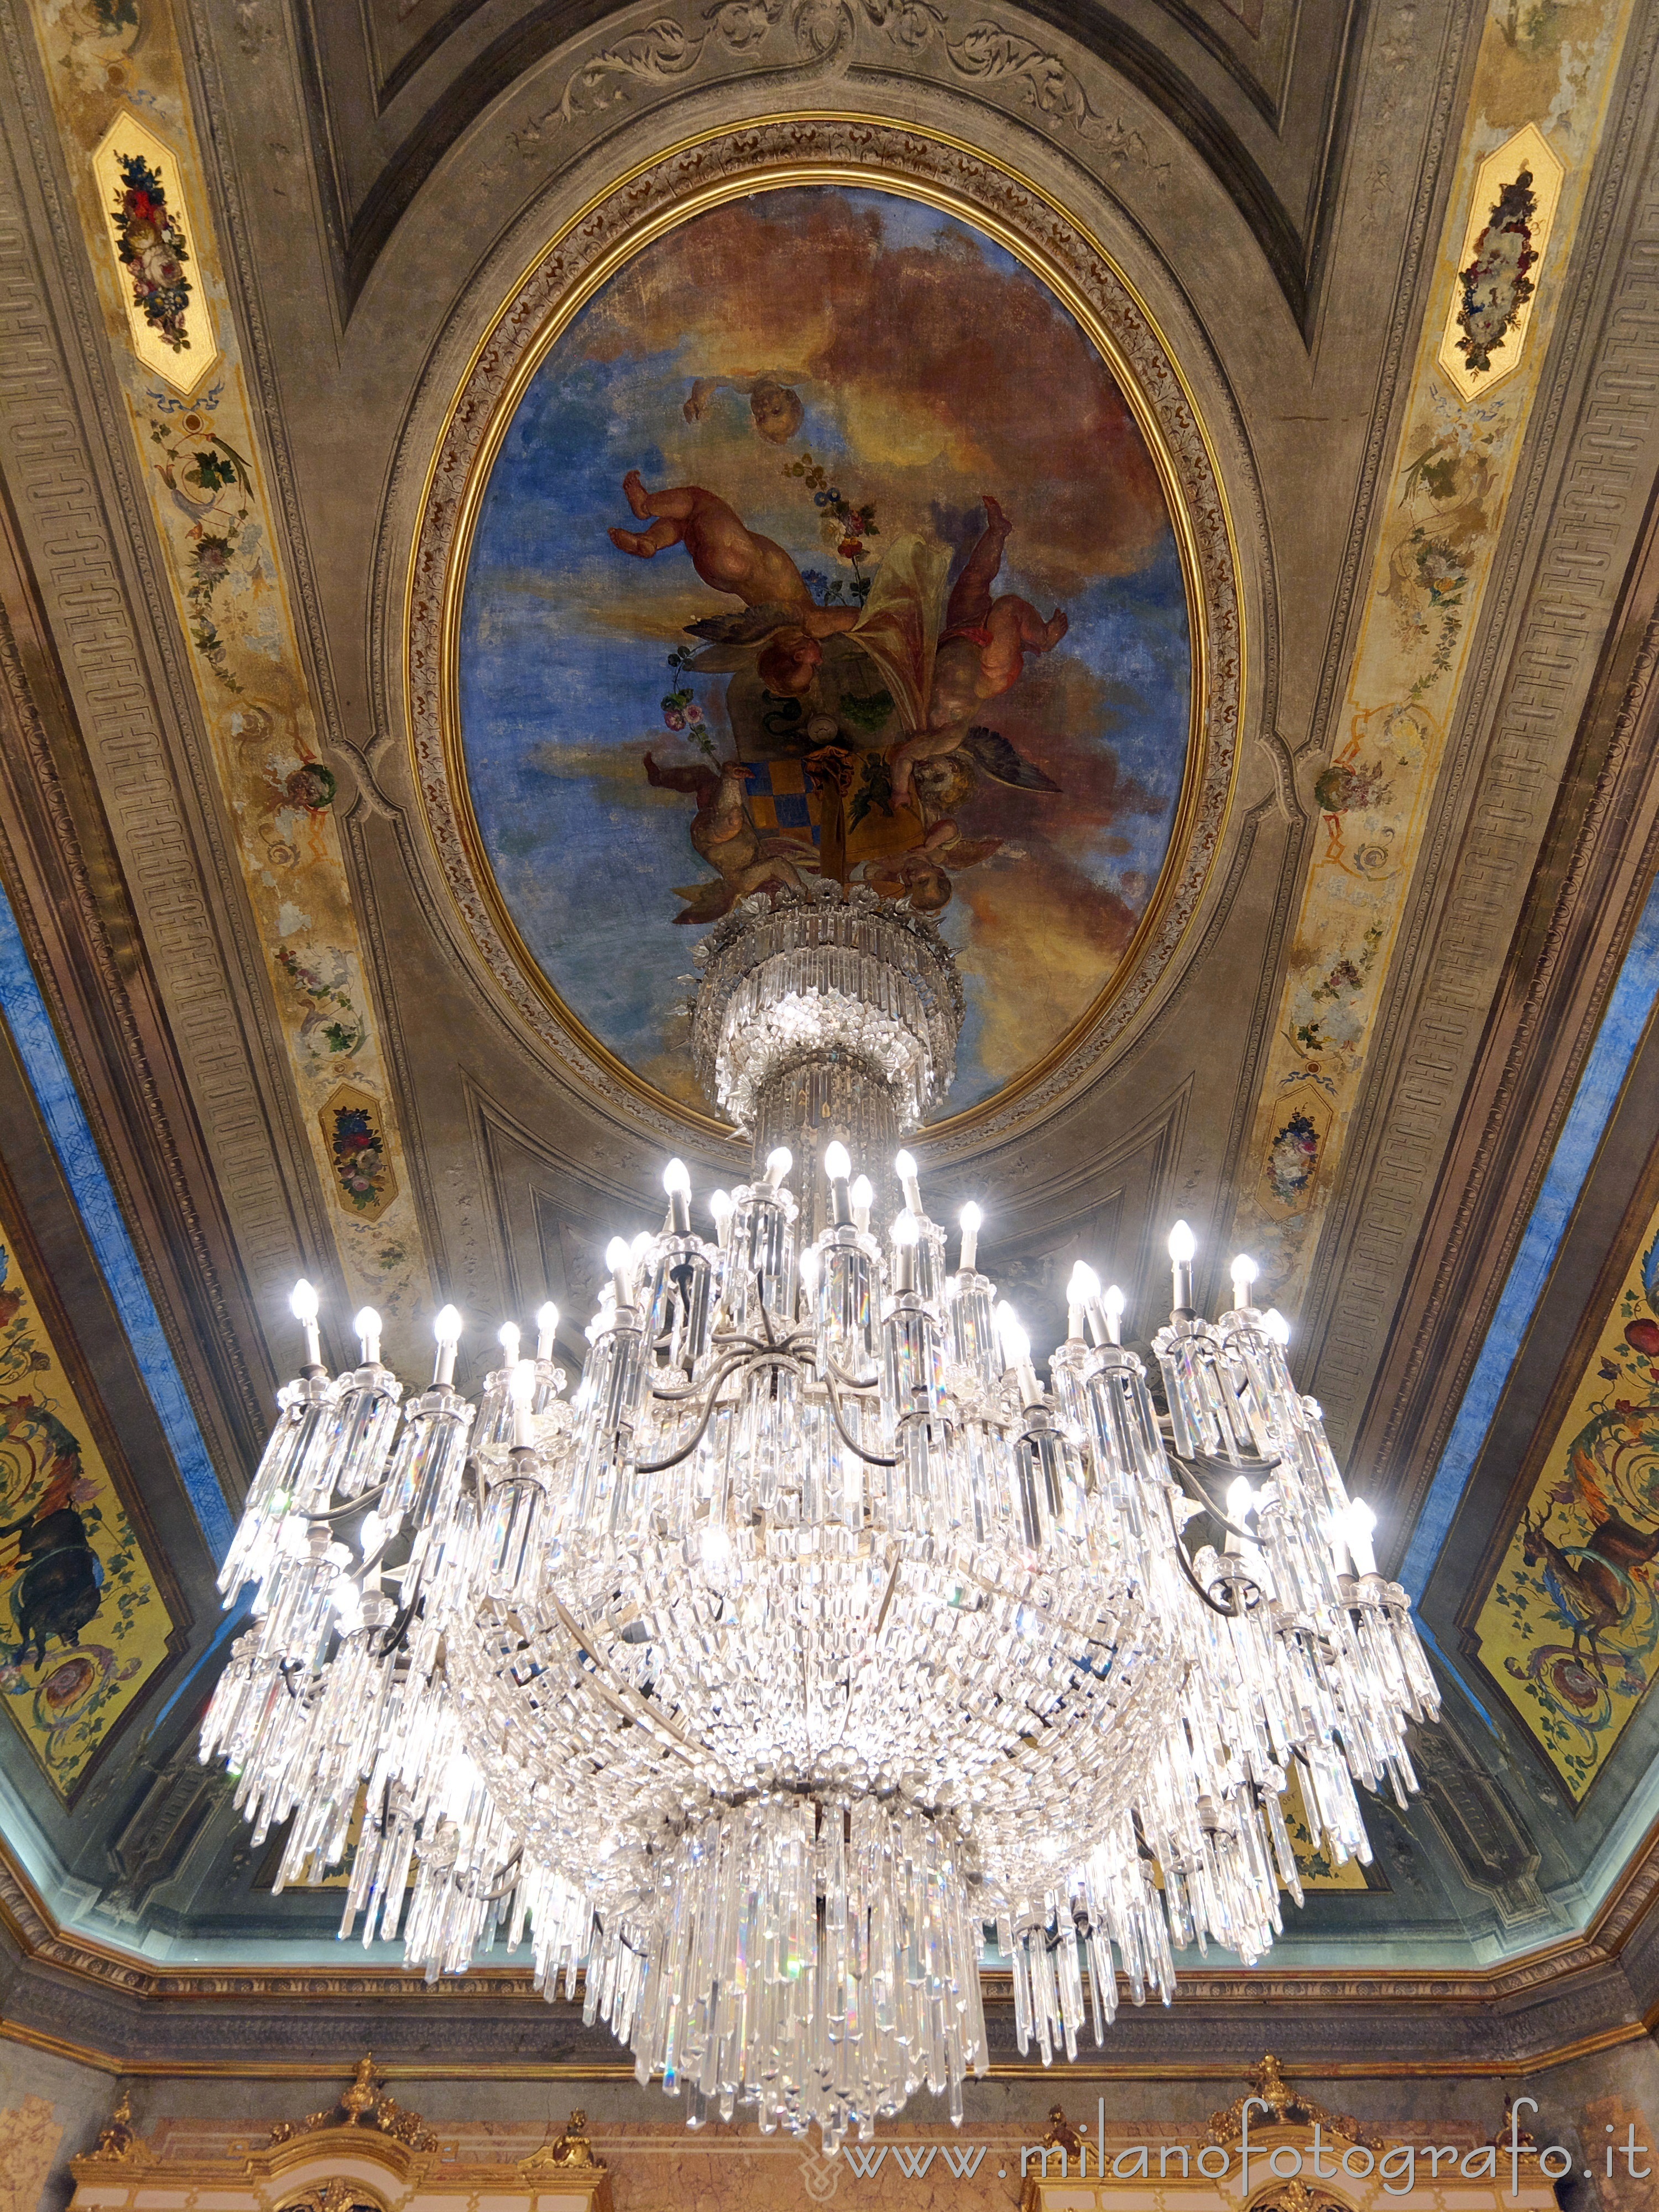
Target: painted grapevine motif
121,89
1519,197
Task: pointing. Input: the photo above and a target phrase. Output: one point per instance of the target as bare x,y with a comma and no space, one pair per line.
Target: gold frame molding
644,204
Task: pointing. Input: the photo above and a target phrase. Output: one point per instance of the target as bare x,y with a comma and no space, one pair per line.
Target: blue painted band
1610,1063
26,1017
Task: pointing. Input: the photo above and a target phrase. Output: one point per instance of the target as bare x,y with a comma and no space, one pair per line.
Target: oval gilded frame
656,196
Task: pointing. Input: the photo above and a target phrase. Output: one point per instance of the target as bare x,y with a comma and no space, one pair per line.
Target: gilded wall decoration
1567,1630
83,1625
123,109
1504,246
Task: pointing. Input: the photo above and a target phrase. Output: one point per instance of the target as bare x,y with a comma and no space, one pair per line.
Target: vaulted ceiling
1391,1033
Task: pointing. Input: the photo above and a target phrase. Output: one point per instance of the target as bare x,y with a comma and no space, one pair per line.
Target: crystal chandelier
814,1638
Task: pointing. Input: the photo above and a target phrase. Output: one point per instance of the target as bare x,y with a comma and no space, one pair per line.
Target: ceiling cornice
1565,2000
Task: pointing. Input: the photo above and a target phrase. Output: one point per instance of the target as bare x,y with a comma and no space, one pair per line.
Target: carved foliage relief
1568,1628
1504,242
83,1628
122,107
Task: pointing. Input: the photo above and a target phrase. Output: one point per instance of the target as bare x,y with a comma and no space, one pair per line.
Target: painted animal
1591,1584
59,1592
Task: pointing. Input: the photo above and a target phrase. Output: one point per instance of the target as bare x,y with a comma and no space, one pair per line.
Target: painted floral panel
82,1625
1569,1630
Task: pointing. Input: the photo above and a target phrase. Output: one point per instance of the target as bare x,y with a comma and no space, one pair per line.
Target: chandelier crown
817,1636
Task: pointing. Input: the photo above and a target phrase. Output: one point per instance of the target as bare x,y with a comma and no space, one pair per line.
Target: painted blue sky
930,368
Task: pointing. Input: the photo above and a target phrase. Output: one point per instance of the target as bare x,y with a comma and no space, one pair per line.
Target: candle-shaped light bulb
1361,1521
1081,1292
905,1169
367,1328
1276,1326
861,1197
1241,1502
547,1328
1182,1245
838,1166
970,1220
904,1252
778,1164
811,1262
1113,1303
620,1267
446,1329
719,1207
1244,1274
507,1337
1016,1352
521,1390
1016,1344
676,1182
303,1301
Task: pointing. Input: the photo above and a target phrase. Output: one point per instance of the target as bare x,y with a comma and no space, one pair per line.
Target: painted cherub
723,832
980,654
729,556
775,406
921,875
981,651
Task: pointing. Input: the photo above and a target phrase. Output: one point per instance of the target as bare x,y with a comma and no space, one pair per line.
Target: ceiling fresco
906,606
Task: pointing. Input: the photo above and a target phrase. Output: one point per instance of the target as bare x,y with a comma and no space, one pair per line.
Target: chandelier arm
869,1459
1197,1492
713,1387
619,1694
1227,1612
360,1503
727,1343
504,1884
872,1382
